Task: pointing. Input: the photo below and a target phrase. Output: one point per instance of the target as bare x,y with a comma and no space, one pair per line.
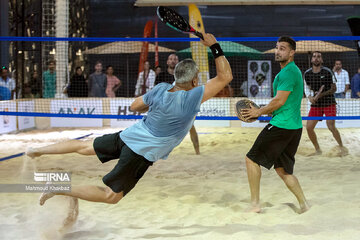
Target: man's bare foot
304,208
343,151
32,152
316,153
254,207
45,196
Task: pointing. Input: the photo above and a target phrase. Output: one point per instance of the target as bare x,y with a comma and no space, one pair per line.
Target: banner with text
26,122
76,107
7,123
122,107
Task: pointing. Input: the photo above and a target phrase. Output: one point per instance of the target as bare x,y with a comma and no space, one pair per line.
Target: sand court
188,196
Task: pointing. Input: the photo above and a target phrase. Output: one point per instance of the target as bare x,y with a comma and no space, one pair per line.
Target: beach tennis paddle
245,104
176,21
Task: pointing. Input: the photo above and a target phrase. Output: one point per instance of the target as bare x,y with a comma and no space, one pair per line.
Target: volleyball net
100,77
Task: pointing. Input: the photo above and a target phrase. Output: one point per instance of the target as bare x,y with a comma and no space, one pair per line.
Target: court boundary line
109,116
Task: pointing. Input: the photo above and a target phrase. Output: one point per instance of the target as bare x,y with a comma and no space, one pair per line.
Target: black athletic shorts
276,146
130,167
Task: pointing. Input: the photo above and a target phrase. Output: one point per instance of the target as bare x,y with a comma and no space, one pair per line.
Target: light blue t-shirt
169,119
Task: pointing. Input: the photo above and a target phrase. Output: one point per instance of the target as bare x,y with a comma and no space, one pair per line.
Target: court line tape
110,116
215,133
233,39
21,154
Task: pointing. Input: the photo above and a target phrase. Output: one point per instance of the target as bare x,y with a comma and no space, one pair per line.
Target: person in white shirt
342,78
145,81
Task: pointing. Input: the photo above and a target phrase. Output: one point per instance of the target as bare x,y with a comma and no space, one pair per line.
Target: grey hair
185,71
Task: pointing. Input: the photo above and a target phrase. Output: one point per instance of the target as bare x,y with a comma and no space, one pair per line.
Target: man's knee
250,162
281,172
332,129
331,126
86,147
113,197
310,127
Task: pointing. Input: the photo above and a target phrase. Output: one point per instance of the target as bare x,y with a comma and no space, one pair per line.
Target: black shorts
276,146
130,167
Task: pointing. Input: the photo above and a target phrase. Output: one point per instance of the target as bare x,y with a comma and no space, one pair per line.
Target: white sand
189,196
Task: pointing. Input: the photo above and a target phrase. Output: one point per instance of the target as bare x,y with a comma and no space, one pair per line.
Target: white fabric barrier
7,123
26,122
76,107
122,107
215,107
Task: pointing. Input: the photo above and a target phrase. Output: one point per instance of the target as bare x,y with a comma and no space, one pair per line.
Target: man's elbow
280,103
226,77
229,77
133,108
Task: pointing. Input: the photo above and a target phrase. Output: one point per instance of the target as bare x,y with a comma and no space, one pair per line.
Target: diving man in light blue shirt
171,113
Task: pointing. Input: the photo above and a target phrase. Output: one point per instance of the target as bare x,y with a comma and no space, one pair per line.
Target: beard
317,64
280,59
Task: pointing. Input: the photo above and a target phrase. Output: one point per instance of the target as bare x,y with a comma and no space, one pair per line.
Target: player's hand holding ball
247,110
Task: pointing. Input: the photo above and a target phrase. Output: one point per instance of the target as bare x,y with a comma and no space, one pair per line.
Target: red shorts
329,111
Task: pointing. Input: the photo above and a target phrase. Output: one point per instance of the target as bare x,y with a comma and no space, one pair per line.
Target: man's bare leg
335,132
331,126
195,140
88,193
294,186
71,146
254,175
310,126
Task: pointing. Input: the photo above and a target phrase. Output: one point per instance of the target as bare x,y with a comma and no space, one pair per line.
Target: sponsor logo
125,110
88,110
51,177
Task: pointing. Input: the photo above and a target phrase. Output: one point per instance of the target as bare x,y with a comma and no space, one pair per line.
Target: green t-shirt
290,79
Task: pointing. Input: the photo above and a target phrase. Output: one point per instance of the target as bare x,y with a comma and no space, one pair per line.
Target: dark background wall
111,18
119,18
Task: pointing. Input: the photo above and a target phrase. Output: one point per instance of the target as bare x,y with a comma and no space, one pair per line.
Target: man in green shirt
49,81
278,142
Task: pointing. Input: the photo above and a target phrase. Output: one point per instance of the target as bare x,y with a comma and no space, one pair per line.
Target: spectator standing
355,85
157,70
35,85
78,86
342,80
113,83
27,91
7,85
97,82
168,75
49,81
145,81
